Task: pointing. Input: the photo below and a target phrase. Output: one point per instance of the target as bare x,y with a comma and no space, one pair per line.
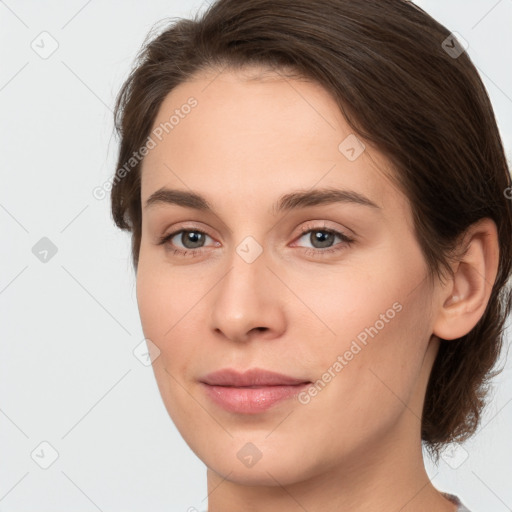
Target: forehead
252,134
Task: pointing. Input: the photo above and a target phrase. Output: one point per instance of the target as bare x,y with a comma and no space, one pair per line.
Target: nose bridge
243,301
247,269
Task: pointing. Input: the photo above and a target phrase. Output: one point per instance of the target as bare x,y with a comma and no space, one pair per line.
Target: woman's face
274,283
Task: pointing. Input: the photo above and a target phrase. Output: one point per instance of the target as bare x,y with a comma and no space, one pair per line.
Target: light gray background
69,326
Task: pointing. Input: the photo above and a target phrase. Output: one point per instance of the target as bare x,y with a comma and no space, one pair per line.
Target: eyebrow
291,201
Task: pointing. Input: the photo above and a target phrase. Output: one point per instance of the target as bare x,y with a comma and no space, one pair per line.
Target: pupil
193,237
323,237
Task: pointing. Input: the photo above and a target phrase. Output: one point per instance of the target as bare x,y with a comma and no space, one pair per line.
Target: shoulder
454,499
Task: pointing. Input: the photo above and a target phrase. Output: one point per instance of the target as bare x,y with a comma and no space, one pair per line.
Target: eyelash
304,230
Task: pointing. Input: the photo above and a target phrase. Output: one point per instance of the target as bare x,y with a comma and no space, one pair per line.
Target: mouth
250,378
250,392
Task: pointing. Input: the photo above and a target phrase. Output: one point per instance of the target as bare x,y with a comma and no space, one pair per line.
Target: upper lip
251,377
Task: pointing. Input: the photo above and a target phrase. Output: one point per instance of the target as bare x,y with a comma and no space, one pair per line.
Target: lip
250,392
251,377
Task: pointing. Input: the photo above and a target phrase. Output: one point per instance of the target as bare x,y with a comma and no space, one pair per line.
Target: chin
257,463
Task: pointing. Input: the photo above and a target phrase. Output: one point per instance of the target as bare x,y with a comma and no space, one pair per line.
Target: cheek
162,297
163,304
152,295
172,307
365,393
377,331
163,308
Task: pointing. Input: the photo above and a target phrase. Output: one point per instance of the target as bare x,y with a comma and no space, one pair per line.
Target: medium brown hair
400,82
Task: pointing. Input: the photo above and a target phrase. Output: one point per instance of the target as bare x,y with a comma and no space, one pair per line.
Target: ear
463,299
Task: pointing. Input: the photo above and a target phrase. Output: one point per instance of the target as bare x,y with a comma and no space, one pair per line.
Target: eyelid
311,226
171,234
304,228
186,226
346,239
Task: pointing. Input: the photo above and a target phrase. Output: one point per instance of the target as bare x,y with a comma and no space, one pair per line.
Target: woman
316,191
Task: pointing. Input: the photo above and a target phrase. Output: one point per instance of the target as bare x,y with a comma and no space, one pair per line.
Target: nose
248,301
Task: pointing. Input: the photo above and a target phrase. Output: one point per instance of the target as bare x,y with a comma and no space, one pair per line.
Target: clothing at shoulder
456,501
451,497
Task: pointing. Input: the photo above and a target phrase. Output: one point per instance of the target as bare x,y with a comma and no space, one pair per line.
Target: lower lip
251,400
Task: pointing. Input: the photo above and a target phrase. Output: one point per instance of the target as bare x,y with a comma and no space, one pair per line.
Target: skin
356,445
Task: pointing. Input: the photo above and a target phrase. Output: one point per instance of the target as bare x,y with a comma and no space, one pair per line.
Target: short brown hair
389,66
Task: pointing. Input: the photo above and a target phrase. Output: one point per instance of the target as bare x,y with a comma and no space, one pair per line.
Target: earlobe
464,297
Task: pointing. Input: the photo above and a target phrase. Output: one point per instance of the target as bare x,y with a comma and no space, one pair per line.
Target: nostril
260,329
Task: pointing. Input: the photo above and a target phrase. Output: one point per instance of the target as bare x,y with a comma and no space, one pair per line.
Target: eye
191,239
323,240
